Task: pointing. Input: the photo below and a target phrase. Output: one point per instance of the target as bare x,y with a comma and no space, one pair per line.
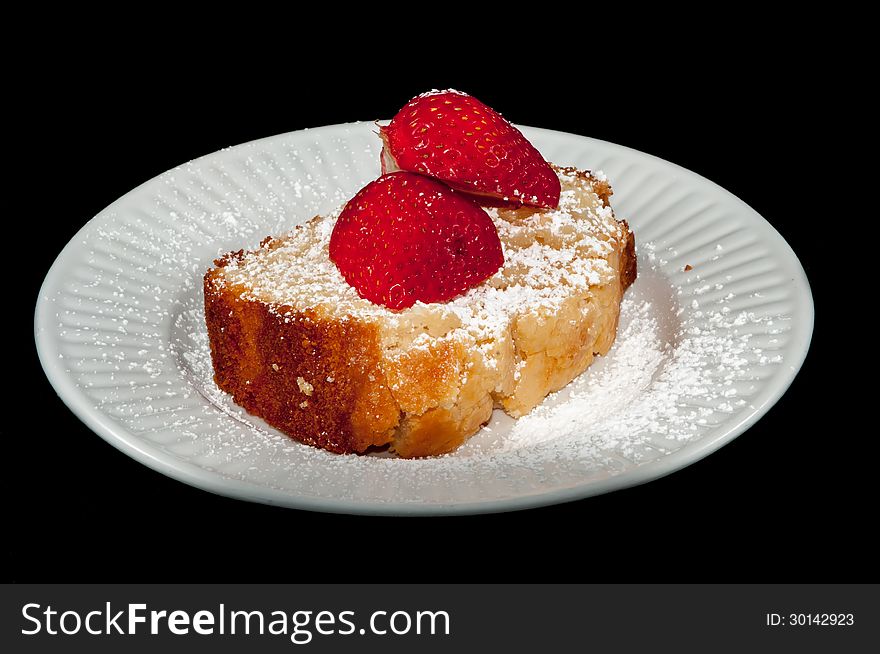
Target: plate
712,334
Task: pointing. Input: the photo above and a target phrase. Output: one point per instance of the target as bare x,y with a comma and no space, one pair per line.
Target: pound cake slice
294,344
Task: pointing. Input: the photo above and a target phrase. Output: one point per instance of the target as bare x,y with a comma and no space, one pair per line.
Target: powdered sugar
670,377
650,390
549,256
127,329
546,254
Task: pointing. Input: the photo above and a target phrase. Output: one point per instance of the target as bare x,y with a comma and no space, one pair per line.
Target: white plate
701,354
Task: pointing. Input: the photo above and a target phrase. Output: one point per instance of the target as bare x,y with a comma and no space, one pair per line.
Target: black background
784,501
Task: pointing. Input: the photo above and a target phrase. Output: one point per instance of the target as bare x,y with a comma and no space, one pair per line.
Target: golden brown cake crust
628,265
317,380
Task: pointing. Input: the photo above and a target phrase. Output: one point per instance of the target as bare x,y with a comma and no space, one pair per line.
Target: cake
297,346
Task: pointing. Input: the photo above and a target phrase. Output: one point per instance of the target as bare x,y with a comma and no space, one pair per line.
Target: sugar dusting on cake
299,272
549,256
671,375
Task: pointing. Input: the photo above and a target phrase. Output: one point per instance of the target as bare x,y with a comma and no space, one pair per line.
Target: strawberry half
456,138
406,238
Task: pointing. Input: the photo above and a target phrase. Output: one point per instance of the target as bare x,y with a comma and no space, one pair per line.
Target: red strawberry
455,137
406,238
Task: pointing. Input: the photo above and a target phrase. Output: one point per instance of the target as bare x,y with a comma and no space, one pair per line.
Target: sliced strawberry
456,138
406,238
